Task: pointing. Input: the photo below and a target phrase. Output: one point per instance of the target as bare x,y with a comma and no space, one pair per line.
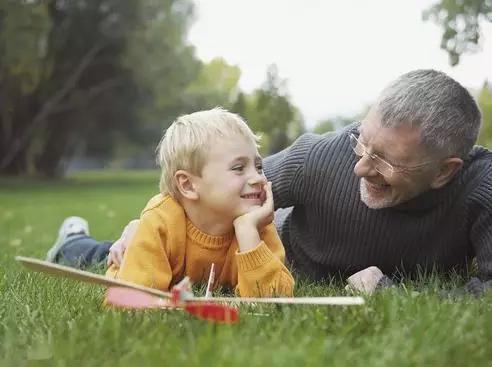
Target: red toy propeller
135,299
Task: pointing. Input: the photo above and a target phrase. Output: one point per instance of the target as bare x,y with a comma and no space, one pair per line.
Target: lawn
47,321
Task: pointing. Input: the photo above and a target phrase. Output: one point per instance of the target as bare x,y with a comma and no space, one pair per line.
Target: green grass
47,321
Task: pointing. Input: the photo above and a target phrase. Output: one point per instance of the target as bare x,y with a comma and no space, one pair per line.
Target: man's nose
365,167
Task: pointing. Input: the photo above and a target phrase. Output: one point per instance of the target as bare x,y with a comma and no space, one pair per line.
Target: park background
87,88
93,84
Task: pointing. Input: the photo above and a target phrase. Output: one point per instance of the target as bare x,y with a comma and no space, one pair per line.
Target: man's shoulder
480,154
479,162
331,147
477,175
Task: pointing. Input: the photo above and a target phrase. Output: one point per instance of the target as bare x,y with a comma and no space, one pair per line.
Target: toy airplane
129,295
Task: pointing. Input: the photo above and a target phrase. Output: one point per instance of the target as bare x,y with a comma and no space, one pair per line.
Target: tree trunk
57,148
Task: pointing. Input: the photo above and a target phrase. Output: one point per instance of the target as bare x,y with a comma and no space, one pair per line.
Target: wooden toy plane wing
83,276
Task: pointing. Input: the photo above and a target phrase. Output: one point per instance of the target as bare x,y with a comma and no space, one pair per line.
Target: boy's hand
248,225
118,248
259,215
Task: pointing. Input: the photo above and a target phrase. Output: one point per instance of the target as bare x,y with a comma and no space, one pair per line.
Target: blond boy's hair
186,142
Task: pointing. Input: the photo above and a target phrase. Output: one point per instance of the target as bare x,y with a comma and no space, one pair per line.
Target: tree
460,20
270,112
333,124
89,68
485,102
215,85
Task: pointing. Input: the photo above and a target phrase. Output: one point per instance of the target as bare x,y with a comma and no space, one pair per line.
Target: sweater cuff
477,288
254,258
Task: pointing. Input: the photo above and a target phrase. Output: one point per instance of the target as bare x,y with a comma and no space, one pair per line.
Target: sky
335,55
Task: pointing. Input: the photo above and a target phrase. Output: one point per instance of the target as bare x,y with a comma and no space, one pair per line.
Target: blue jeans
81,251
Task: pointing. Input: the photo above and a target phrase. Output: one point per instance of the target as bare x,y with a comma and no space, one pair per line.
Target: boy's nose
257,178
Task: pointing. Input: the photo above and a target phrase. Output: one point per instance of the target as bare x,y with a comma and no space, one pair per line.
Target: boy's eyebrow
244,158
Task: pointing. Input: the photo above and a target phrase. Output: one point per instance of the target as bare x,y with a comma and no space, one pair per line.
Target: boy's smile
257,197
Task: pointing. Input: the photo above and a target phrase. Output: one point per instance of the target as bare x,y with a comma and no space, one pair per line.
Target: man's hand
118,248
247,226
365,281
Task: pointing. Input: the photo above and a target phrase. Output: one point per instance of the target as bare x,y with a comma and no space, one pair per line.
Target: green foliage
324,126
104,78
215,85
163,64
460,21
333,124
21,53
77,73
485,103
47,321
270,112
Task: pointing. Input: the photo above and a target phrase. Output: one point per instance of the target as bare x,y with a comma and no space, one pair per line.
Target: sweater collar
429,199
206,240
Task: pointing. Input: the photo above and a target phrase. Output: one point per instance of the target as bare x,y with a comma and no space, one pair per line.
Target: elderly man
405,189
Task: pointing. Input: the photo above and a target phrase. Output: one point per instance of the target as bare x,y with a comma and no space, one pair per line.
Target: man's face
400,146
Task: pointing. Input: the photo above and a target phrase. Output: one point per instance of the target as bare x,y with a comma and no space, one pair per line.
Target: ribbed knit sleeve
261,271
285,169
481,229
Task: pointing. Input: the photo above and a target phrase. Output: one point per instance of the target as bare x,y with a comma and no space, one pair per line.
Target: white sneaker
69,227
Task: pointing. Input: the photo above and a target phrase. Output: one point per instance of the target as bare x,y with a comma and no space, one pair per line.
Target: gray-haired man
403,189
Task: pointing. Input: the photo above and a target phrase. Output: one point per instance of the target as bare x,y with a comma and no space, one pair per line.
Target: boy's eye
238,168
259,167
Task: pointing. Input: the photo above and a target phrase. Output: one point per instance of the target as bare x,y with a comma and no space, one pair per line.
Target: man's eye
238,168
259,167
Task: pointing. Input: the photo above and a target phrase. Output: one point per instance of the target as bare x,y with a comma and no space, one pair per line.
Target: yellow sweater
167,247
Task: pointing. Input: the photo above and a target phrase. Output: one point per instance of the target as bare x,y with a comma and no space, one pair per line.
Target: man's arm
146,260
118,248
285,171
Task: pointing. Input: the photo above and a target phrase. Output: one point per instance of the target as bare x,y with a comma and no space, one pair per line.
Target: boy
215,206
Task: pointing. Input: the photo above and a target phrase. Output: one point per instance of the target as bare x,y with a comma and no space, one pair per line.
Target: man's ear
448,169
185,182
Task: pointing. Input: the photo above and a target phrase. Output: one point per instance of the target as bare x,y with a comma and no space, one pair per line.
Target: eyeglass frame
354,142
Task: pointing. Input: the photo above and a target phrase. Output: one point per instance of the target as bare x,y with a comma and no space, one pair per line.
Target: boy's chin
245,209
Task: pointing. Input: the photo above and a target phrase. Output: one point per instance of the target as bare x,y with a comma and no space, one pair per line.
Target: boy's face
232,179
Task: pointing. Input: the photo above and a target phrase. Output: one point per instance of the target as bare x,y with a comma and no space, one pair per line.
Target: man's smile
376,188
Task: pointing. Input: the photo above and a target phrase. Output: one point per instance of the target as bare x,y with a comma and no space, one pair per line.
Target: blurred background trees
102,79
461,22
485,103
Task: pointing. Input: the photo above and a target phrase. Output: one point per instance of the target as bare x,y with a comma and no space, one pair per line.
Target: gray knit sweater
330,231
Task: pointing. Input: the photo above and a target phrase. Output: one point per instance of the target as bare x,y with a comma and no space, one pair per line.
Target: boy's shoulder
163,208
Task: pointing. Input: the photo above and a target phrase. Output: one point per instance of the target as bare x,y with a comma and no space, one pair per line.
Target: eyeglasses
380,165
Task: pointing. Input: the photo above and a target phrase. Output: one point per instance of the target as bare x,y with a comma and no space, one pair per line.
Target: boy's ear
449,168
185,184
